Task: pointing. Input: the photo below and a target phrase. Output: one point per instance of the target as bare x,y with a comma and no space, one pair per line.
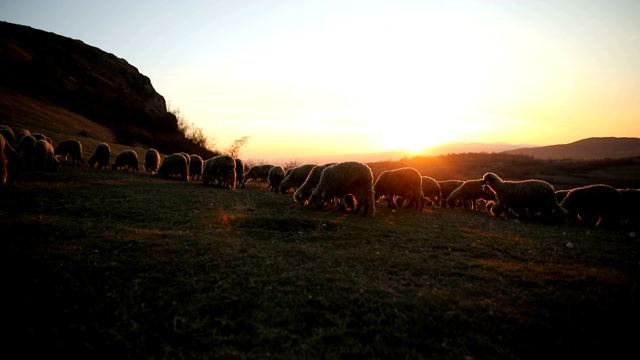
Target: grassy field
108,264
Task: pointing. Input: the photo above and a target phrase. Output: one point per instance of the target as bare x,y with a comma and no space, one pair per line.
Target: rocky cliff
90,82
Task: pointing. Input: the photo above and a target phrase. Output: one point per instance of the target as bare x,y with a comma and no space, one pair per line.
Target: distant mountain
463,147
586,149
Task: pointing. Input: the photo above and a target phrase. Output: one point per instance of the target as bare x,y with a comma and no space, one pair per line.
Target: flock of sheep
351,184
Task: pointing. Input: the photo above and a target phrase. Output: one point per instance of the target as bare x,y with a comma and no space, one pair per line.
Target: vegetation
121,265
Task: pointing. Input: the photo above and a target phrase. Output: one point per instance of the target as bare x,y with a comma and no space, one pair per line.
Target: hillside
586,149
84,80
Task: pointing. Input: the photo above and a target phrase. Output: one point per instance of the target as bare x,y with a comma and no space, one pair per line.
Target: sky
307,78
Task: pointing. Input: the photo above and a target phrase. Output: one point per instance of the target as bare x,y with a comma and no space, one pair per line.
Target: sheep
303,194
195,166
10,161
152,161
72,148
174,165
25,148
596,205
469,193
128,158
431,190
275,177
239,173
100,156
44,157
631,206
561,194
446,188
344,179
532,195
20,133
405,182
257,173
4,174
295,178
221,171
8,134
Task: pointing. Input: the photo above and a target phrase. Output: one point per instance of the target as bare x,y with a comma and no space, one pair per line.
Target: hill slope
88,82
587,149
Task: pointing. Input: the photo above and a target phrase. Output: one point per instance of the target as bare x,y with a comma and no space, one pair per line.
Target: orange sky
304,78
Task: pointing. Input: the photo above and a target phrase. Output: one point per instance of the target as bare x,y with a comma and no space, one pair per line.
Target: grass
110,264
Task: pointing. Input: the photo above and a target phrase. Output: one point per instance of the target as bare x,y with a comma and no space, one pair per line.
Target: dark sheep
126,159
295,178
275,177
101,156
344,179
257,173
71,148
597,205
405,182
152,161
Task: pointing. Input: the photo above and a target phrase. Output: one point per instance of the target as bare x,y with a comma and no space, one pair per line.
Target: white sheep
257,173
126,159
44,157
195,166
469,193
303,194
531,195
295,178
594,205
405,182
275,177
174,165
70,148
100,156
220,171
344,179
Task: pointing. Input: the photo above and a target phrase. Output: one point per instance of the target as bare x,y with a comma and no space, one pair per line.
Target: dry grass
120,265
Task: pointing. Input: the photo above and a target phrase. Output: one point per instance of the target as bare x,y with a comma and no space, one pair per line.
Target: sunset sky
305,78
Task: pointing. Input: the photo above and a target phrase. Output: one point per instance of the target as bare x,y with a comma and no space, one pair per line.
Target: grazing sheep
8,134
446,188
11,161
631,206
220,171
257,173
152,161
344,179
72,148
174,165
469,193
533,195
431,190
4,173
100,156
126,158
25,148
275,177
195,167
239,173
44,157
594,205
295,178
561,194
20,133
405,182
303,194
